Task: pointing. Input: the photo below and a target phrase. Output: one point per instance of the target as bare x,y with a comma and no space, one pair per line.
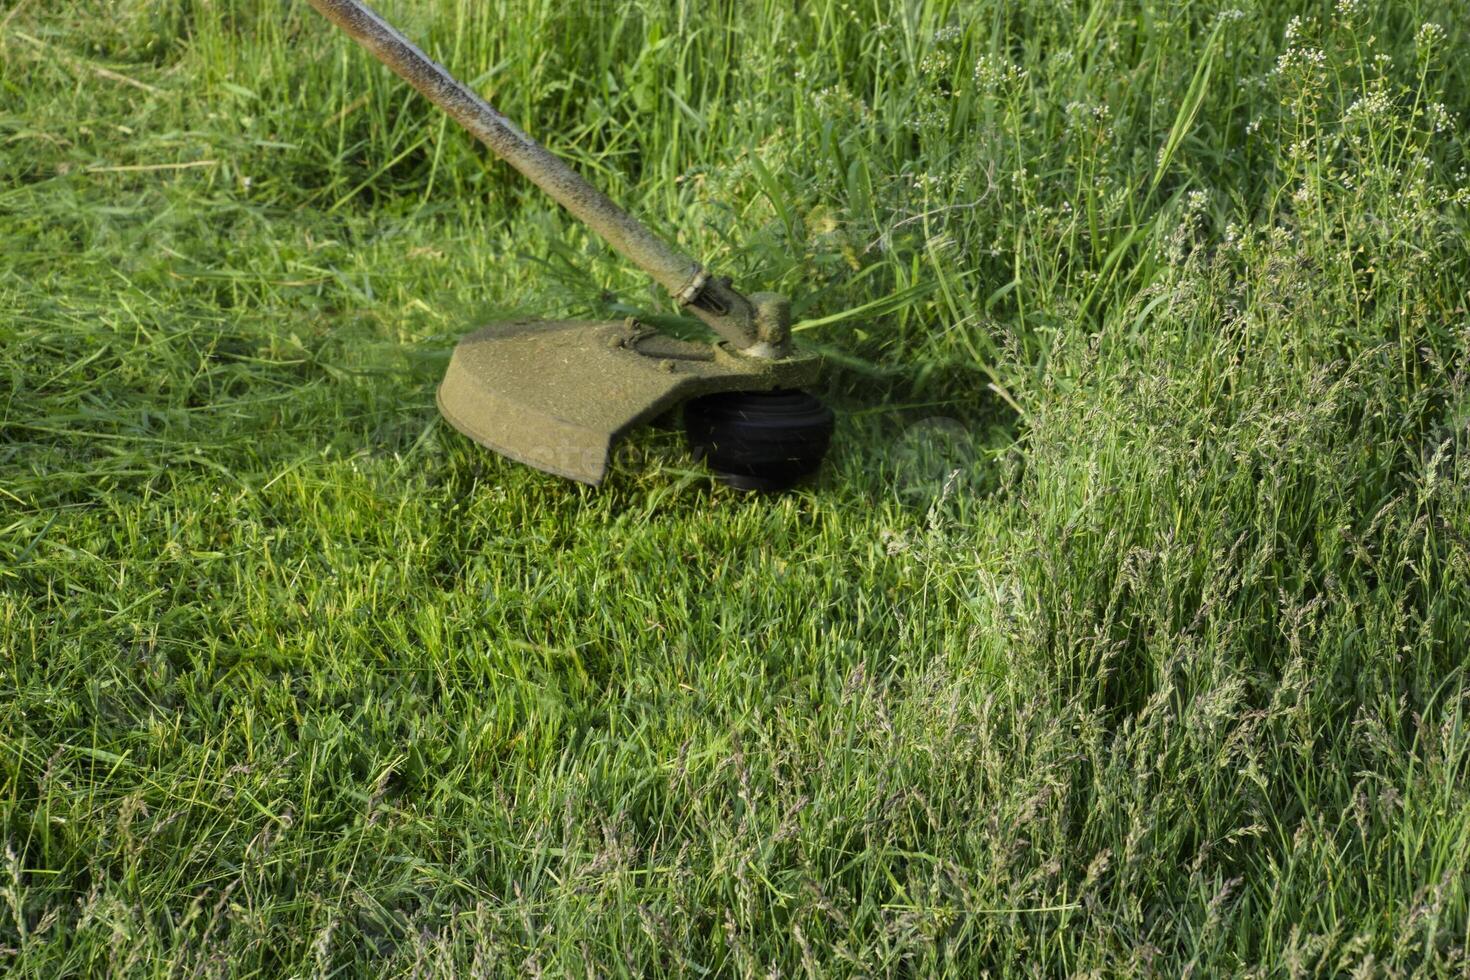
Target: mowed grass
1124,633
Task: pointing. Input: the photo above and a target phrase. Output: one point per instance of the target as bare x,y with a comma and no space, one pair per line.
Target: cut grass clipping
1124,633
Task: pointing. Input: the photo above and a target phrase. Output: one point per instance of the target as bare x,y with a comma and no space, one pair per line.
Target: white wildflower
1429,35
1440,119
1374,105
993,73
935,63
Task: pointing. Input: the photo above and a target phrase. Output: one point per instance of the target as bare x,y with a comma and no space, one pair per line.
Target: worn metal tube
725,310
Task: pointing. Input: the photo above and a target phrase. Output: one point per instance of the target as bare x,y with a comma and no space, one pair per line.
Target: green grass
1151,660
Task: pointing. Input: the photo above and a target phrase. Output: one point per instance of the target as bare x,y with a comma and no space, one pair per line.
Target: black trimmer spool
759,440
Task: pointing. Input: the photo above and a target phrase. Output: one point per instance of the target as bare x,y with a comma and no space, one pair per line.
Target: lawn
1123,633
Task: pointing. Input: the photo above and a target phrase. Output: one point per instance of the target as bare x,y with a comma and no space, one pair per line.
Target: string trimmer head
557,395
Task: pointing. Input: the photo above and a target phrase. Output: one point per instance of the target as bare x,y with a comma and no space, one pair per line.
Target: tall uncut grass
1124,634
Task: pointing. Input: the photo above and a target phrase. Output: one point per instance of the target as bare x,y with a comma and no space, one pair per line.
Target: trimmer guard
557,394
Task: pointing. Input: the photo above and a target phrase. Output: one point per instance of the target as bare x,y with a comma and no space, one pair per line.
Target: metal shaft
725,310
